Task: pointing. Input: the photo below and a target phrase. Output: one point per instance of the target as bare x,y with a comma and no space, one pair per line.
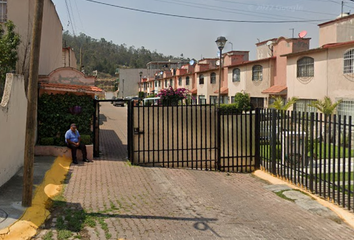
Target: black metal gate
193,136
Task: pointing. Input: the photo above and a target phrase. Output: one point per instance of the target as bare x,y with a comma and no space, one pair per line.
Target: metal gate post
218,160
131,131
257,139
96,124
273,141
312,119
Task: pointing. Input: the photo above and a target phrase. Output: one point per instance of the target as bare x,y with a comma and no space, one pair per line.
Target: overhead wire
203,18
67,8
230,10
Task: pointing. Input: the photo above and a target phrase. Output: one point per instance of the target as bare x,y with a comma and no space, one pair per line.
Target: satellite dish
302,34
269,43
217,63
191,62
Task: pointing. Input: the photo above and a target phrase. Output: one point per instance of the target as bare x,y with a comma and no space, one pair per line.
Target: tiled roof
70,88
275,89
223,90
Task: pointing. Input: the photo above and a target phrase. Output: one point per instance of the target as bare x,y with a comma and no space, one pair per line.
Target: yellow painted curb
344,214
34,216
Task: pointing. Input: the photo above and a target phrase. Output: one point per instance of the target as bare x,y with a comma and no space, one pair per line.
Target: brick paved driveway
157,203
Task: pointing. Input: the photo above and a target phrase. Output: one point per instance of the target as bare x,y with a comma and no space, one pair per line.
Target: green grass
48,236
326,148
338,176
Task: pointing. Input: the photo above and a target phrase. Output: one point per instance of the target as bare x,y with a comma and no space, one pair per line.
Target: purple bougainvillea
169,96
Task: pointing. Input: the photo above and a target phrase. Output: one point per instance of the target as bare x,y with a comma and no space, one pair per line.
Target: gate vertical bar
219,140
273,141
131,131
95,127
350,193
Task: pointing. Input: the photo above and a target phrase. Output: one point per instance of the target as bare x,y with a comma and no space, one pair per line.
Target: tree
279,103
243,101
9,41
326,106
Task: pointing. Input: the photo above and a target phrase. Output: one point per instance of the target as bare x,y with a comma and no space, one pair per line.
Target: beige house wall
328,34
235,87
309,88
21,13
340,85
207,89
13,112
255,88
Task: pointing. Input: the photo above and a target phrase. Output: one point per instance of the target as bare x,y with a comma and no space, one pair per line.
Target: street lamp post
220,42
140,74
123,90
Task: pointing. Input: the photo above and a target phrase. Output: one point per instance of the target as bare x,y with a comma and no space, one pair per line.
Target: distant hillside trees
106,56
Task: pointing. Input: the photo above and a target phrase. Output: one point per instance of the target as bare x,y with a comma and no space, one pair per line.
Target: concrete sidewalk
11,192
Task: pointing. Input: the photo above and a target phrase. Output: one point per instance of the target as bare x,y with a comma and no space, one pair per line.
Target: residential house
327,70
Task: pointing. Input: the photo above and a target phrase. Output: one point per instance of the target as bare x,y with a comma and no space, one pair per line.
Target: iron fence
311,150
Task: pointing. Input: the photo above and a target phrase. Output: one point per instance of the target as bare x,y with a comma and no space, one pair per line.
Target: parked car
118,102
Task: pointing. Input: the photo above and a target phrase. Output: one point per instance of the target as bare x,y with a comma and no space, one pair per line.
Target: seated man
73,141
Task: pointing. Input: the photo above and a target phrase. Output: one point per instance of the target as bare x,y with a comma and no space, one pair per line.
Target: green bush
54,116
47,141
86,139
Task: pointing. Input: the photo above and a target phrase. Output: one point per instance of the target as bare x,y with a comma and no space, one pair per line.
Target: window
155,83
179,81
166,83
302,105
201,79
3,10
346,108
212,78
171,83
305,67
236,75
257,102
187,81
201,99
213,99
349,61
233,99
257,73
159,83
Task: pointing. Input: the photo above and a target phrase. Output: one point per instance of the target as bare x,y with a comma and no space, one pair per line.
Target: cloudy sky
190,27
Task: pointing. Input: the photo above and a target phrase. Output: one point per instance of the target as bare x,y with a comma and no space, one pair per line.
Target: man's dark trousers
73,148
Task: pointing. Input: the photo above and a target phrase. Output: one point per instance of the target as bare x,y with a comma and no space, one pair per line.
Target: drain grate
3,215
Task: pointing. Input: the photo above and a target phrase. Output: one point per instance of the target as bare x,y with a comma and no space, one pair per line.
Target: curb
344,214
34,216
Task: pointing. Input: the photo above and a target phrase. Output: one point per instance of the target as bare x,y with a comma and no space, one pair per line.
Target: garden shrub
47,141
86,139
55,116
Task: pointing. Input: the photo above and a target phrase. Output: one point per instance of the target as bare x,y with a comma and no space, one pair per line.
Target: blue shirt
72,136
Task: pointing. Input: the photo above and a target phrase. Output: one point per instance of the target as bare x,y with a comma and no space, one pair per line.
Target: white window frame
348,61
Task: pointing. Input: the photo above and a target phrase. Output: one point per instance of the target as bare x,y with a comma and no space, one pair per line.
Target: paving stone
277,188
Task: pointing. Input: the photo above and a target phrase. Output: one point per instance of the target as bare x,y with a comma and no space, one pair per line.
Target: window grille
212,78
305,67
257,73
236,75
349,61
3,11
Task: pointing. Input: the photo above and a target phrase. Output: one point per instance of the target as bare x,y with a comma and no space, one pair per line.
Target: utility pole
341,13
292,29
32,99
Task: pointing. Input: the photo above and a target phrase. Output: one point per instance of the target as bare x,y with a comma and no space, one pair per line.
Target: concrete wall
309,88
13,112
131,80
21,13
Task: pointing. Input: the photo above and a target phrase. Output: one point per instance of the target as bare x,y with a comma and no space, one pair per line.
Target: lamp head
220,42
